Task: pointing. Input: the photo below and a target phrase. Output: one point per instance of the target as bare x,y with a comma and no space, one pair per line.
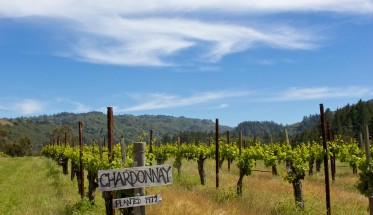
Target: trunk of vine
79,180
288,163
74,169
298,195
177,165
108,196
310,165
274,170
221,163
201,170
160,161
354,168
92,180
65,166
239,183
318,165
332,164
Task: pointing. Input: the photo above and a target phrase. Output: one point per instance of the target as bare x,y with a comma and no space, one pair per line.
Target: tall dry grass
262,193
34,185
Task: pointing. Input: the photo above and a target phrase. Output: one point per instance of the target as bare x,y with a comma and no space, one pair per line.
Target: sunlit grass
34,185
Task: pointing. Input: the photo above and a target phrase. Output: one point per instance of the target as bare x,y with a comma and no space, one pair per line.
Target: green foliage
19,148
226,195
365,177
84,206
245,161
188,181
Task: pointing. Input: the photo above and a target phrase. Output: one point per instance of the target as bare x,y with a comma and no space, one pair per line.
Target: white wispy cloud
78,107
163,101
320,93
69,8
143,32
29,106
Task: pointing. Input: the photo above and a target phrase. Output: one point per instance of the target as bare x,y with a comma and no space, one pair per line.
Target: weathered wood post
332,156
178,161
108,196
229,145
123,150
151,146
370,185
361,142
100,144
139,149
65,160
326,166
217,152
240,143
74,166
287,162
81,160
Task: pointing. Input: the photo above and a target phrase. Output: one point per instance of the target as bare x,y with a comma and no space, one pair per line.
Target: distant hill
267,131
5,122
348,121
40,129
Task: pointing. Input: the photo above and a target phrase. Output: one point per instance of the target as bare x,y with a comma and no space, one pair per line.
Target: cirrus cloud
150,33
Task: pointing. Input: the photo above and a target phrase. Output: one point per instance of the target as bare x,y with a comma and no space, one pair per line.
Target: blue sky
240,60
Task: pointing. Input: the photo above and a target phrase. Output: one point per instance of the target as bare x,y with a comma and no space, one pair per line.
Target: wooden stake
217,152
326,166
240,143
139,149
110,129
151,145
287,136
81,159
370,185
229,160
123,150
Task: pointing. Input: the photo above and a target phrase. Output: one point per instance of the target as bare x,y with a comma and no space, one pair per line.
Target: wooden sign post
136,177
137,201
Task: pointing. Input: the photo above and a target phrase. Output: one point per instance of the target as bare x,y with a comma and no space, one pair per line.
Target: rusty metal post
217,152
81,159
326,166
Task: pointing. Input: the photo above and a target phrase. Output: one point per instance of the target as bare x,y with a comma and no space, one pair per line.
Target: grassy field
36,185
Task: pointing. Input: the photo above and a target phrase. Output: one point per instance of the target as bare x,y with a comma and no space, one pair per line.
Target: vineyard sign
128,178
137,201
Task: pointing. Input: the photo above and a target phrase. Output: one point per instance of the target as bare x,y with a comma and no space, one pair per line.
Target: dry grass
34,185
262,194
5,122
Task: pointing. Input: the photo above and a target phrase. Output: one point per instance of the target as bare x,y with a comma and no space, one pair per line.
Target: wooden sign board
137,201
128,178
